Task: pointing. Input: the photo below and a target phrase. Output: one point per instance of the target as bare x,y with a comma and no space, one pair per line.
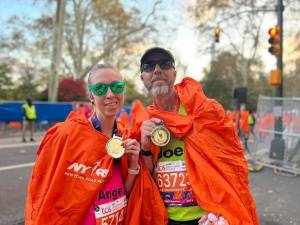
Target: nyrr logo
81,168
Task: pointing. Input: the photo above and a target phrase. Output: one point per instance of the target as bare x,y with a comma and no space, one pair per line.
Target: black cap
157,50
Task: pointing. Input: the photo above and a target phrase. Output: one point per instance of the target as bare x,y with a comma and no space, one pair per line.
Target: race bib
172,181
112,213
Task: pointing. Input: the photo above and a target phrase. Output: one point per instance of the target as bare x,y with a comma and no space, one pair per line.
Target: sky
183,43
19,7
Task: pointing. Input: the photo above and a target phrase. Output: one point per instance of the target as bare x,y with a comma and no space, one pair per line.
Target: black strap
146,153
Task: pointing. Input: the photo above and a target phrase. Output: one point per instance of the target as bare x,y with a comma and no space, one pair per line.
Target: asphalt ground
277,197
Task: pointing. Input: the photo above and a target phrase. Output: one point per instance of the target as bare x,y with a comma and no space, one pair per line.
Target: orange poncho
217,169
71,168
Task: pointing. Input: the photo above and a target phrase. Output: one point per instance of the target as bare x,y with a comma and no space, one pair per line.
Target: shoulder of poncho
207,104
65,129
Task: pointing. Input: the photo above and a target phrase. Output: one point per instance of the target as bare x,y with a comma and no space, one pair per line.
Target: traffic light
275,77
274,41
217,34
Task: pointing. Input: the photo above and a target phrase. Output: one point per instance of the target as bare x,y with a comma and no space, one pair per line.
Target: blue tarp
46,112
51,112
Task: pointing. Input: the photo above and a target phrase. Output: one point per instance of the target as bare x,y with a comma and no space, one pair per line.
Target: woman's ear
91,97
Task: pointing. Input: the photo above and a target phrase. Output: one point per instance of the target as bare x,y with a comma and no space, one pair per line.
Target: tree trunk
56,53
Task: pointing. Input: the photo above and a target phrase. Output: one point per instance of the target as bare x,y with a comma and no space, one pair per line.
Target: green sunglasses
101,89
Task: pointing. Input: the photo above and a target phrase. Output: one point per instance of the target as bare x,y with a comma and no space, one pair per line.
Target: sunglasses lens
166,65
100,89
163,64
118,87
148,67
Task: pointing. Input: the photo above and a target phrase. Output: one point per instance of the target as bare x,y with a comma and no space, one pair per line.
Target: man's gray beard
159,90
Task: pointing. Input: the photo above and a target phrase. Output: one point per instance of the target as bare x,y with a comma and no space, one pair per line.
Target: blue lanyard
97,125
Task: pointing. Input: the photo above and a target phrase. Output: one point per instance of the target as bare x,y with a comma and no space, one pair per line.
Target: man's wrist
146,152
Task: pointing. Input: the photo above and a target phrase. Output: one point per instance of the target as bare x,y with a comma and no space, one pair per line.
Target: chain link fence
277,134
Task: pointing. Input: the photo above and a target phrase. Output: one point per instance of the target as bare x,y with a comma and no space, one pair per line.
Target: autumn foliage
70,89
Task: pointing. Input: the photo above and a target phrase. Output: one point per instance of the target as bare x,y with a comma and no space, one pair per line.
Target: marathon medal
160,136
114,147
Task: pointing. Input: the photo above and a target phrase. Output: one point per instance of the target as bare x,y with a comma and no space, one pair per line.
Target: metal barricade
277,134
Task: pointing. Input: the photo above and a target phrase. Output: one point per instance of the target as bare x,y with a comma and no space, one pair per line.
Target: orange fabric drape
137,115
215,162
71,168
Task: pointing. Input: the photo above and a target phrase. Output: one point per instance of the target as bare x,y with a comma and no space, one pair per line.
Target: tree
70,89
225,73
56,52
6,83
114,31
240,23
27,86
292,66
132,94
94,31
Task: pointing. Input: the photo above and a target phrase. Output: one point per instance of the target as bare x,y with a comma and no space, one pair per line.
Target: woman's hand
132,149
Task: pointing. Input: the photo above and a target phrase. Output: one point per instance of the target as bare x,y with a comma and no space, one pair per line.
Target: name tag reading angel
160,136
114,147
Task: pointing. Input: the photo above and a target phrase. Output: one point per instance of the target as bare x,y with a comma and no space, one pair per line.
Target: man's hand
146,130
210,218
203,219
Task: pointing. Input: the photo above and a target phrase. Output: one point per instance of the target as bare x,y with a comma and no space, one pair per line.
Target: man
202,170
29,116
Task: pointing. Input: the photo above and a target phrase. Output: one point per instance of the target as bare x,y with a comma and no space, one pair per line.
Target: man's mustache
158,78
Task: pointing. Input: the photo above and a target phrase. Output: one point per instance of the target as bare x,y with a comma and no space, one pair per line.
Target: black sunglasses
149,66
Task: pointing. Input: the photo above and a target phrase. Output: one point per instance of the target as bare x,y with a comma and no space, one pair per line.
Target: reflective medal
114,147
160,136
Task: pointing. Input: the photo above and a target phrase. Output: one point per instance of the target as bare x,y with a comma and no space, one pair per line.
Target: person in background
251,122
29,116
76,178
244,126
201,173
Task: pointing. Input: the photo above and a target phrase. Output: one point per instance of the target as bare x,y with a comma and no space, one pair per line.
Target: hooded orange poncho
217,169
71,168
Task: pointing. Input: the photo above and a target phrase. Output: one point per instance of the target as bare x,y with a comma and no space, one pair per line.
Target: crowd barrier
278,147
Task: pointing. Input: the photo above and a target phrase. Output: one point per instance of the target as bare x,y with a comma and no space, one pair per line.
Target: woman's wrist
134,167
134,170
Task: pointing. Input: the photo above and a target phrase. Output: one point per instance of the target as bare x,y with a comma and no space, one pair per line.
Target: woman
76,179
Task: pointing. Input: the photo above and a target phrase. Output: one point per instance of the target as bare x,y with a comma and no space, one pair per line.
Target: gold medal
114,147
160,136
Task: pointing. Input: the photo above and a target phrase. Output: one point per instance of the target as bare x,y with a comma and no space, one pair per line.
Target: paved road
277,197
16,161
